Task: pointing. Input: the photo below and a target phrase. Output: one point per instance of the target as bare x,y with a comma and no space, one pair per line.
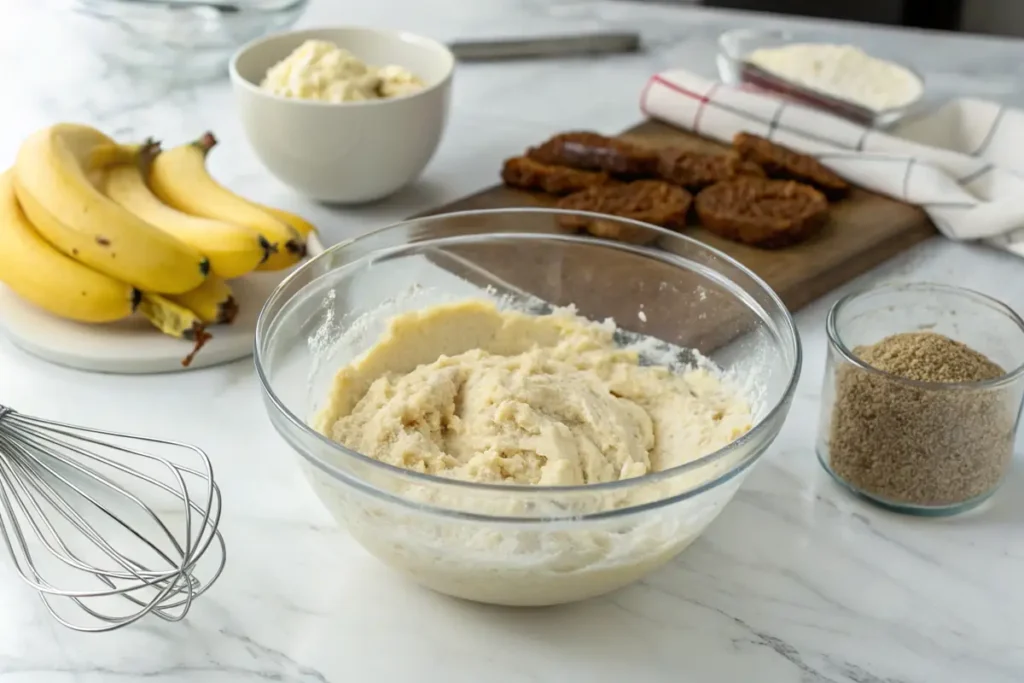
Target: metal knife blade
545,46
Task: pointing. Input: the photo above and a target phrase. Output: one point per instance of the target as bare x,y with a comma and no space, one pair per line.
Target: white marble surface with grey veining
796,582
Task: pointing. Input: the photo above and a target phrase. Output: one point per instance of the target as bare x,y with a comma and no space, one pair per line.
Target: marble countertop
795,582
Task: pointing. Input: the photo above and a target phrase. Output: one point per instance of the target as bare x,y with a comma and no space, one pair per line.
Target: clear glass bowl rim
835,338
788,334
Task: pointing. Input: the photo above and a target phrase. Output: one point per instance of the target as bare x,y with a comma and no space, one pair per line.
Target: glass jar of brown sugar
923,390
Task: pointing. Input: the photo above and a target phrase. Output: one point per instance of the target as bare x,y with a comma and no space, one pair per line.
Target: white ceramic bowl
347,152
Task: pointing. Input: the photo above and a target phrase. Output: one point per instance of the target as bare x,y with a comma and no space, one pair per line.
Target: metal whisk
105,532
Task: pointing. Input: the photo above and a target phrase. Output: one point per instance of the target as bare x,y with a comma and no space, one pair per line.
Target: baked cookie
763,213
527,174
696,170
648,201
594,152
782,162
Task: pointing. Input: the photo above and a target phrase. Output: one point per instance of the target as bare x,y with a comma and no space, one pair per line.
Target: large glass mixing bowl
523,545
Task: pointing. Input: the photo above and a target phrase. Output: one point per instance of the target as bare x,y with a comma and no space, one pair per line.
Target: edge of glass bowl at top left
177,40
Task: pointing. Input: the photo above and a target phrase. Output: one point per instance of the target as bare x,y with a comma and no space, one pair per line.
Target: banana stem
268,248
206,142
199,336
150,149
105,156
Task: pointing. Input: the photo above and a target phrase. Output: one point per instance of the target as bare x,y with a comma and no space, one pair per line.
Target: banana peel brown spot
102,241
227,311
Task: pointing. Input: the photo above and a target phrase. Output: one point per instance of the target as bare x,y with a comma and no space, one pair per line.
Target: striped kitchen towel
963,163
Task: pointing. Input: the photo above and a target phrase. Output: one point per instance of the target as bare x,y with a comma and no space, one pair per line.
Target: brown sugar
928,357
919,444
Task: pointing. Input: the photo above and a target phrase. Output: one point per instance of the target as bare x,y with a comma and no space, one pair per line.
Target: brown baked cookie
695,170
782,162
527,174
763,213
649,201
594,152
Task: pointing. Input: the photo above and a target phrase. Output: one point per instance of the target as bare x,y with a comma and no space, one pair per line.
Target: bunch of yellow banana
93,230
180,179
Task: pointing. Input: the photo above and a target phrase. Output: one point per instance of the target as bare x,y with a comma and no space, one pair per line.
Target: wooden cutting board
863,230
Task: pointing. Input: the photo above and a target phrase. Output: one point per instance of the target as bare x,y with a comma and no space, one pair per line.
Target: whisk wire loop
93,522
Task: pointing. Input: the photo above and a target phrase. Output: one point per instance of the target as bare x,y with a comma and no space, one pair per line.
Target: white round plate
133,346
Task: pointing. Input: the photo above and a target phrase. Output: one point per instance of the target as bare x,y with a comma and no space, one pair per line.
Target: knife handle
541,47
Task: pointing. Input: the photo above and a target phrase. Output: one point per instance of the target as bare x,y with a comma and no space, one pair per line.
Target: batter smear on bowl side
469,392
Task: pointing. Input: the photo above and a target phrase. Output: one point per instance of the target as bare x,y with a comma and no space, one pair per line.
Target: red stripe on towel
703,99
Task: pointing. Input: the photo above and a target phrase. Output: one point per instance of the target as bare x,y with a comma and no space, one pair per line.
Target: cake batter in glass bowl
510,413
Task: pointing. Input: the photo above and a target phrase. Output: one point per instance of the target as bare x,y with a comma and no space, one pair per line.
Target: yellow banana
51,180
41,275
232,249
108,154
301,226
175,320
179,177
212,301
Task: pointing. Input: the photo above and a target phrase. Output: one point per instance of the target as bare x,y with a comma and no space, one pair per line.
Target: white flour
844,72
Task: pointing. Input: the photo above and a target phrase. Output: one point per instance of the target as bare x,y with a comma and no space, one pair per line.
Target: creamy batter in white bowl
345,152
678,302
